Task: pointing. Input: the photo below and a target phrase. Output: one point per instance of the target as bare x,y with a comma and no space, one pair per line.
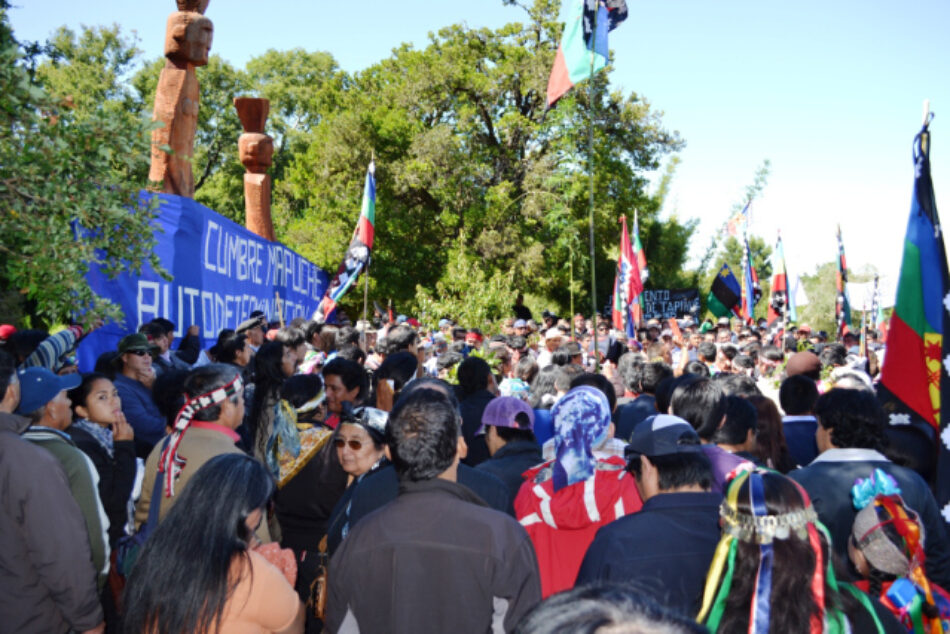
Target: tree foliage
468,161
481,193
65,170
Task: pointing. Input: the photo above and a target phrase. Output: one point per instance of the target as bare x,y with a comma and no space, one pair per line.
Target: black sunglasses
138,353
355,445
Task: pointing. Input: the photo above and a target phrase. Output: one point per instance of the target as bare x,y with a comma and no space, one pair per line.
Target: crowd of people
518,476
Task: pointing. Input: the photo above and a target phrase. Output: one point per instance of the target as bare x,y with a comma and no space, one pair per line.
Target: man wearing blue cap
48,583
43,401
666,548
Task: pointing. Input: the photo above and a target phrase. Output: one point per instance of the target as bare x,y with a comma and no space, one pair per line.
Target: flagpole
372,161
590,170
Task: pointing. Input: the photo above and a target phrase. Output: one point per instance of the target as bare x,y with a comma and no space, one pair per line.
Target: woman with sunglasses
198,571
359,446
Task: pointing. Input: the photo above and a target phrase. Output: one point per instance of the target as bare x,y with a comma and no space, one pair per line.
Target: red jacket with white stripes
562,525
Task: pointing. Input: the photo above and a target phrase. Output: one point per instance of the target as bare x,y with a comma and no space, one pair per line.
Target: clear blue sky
830,92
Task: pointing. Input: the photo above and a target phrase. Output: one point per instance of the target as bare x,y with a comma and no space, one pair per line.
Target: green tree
64,170
467,157
822,292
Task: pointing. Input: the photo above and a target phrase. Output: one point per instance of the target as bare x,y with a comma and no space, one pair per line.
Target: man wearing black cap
254,328
664,549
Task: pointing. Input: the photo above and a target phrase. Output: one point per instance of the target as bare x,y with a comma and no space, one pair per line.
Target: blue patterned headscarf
581,419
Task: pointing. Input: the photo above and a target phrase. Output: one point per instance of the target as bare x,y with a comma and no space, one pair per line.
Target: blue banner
221,272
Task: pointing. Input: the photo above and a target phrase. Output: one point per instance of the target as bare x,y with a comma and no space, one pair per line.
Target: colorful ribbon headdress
757,526
170,464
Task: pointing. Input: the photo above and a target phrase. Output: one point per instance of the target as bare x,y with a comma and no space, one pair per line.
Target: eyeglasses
138,353
355,445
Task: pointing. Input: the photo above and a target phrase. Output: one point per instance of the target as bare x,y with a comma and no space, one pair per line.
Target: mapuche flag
583,51
918,352
778,302
357,255
723,300
751,291
627,286
842,302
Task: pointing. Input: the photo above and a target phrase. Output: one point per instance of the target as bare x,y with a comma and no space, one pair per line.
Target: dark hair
741,418
430,383
543,385
771,353
701,402
152,330
770,445
697,367
228,348
448,359
458,333
560,357
204,379
401,338
517,342
855,418
79,394
473,374
7,368
290,337
564,375
743,361
423,434
268,378
168,393
679,469
737,384
664,391
400,367
729,351
526,368
167,325
651,374
352,352
183,576
707,351
351,375
301,388
597,607
792,569
833,354
510,434
797,395
598,381
347,336
311,329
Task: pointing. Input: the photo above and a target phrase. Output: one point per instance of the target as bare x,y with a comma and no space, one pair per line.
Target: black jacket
829,479
382,487
665,549
471,408
116,477
435,560
48,582
510,462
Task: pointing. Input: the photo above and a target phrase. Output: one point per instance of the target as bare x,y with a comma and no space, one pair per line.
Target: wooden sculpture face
188,38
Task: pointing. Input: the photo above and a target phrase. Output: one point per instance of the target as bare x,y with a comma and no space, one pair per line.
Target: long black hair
268,378
180,582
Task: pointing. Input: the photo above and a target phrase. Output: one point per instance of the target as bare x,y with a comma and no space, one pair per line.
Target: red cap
6,330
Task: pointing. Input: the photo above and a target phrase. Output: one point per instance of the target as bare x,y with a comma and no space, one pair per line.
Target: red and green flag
918,352
357,254
583,48
842,302
628,285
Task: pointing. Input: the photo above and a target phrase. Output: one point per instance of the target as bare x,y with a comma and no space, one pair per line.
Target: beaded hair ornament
170,464
762,529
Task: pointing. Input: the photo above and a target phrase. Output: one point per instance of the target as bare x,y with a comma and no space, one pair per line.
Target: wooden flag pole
280,308
590,171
